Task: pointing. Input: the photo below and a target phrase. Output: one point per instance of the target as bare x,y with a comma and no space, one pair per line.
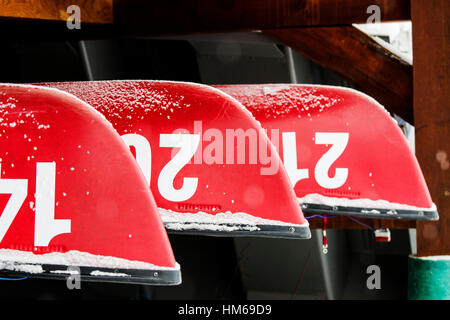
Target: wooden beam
143,17
431,47
358,58
91,11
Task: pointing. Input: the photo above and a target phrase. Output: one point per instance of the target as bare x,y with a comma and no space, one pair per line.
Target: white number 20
188,144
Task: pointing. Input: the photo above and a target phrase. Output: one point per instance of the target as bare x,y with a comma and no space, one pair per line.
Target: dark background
213,267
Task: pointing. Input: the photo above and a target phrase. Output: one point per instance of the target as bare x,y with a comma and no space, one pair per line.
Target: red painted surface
99,189
379,161
150,109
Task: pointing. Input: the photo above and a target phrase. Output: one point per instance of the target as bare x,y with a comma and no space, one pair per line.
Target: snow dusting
373,211
13,117
136,100
131,100
433,258
28,268
98,273
9,257
177,226
316,198
72,272
278,100
223,221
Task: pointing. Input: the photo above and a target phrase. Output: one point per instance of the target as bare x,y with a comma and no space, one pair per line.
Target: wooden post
429,278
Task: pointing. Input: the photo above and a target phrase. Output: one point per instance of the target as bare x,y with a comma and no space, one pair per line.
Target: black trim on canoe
267,231
370,213
62,272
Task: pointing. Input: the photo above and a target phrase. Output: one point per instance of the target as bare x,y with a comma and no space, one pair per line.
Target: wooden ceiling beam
142,17
357,58
91,11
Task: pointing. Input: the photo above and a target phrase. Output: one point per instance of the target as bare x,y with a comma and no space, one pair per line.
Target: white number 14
46,226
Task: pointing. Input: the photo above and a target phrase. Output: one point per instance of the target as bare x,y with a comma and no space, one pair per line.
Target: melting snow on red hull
342,150
211,168
72,196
